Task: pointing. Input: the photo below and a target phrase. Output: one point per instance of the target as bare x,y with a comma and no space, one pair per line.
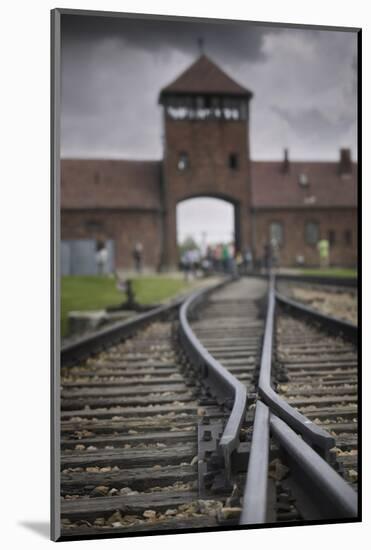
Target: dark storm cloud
162,34
113,69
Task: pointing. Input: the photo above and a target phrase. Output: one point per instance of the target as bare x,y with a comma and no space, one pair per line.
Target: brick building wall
341,222
135,201
125,227
208,145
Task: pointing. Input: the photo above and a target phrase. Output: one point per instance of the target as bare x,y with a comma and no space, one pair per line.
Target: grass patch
330,272
90,293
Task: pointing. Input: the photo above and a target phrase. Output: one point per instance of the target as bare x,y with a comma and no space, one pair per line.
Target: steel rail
330,492
316,436
333,324
344,282
254,505
341,282
101,339
332,495
220,381
329,495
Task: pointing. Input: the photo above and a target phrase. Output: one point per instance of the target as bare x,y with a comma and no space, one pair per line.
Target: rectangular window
200,102
233,161
276,232
331,237
348,237
183,161
93,226
311,233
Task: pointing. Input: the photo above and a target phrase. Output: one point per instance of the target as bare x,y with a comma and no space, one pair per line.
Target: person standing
324,253
138,257
267,256
275,251
218,257
231,258
186,262
225,258
101,258
238,263
247,260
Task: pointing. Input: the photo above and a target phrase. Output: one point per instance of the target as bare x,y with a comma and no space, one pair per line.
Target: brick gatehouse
206,153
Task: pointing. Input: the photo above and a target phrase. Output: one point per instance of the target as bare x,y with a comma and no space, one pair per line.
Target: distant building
206,153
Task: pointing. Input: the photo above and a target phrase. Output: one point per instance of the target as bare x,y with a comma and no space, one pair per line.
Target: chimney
345,163
286,162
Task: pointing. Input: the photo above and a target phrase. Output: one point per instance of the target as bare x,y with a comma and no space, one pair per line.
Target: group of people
271,255
102,258
220,258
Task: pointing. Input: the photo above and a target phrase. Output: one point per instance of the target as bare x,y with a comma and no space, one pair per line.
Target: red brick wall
337,220
124,227
208,144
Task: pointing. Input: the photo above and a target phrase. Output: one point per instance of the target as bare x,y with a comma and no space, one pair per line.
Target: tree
188,244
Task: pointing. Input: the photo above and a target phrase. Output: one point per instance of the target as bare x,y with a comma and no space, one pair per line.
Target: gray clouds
113,69
226,40
312,104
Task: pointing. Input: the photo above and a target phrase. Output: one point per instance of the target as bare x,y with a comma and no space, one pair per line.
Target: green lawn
89,293
330,272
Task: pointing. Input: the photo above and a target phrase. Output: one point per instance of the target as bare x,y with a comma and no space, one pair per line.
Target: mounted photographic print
205,321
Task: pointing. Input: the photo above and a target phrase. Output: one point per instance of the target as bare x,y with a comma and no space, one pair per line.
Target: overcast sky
304,84
206,220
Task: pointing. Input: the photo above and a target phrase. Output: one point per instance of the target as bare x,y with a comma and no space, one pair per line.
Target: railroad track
160,417
317,374
336,301
129,439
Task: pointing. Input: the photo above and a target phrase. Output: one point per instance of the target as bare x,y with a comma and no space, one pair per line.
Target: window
276,232
93,226
348,237
311,233
200,102
233,161
331,237
303,180
183,161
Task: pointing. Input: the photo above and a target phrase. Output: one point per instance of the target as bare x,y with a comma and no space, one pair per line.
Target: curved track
190,421
129,439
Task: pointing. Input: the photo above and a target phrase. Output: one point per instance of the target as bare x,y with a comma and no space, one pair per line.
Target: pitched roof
106,184
271,188
204,76
97,183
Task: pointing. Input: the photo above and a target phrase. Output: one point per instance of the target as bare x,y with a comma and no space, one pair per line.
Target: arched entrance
207,221
213,217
